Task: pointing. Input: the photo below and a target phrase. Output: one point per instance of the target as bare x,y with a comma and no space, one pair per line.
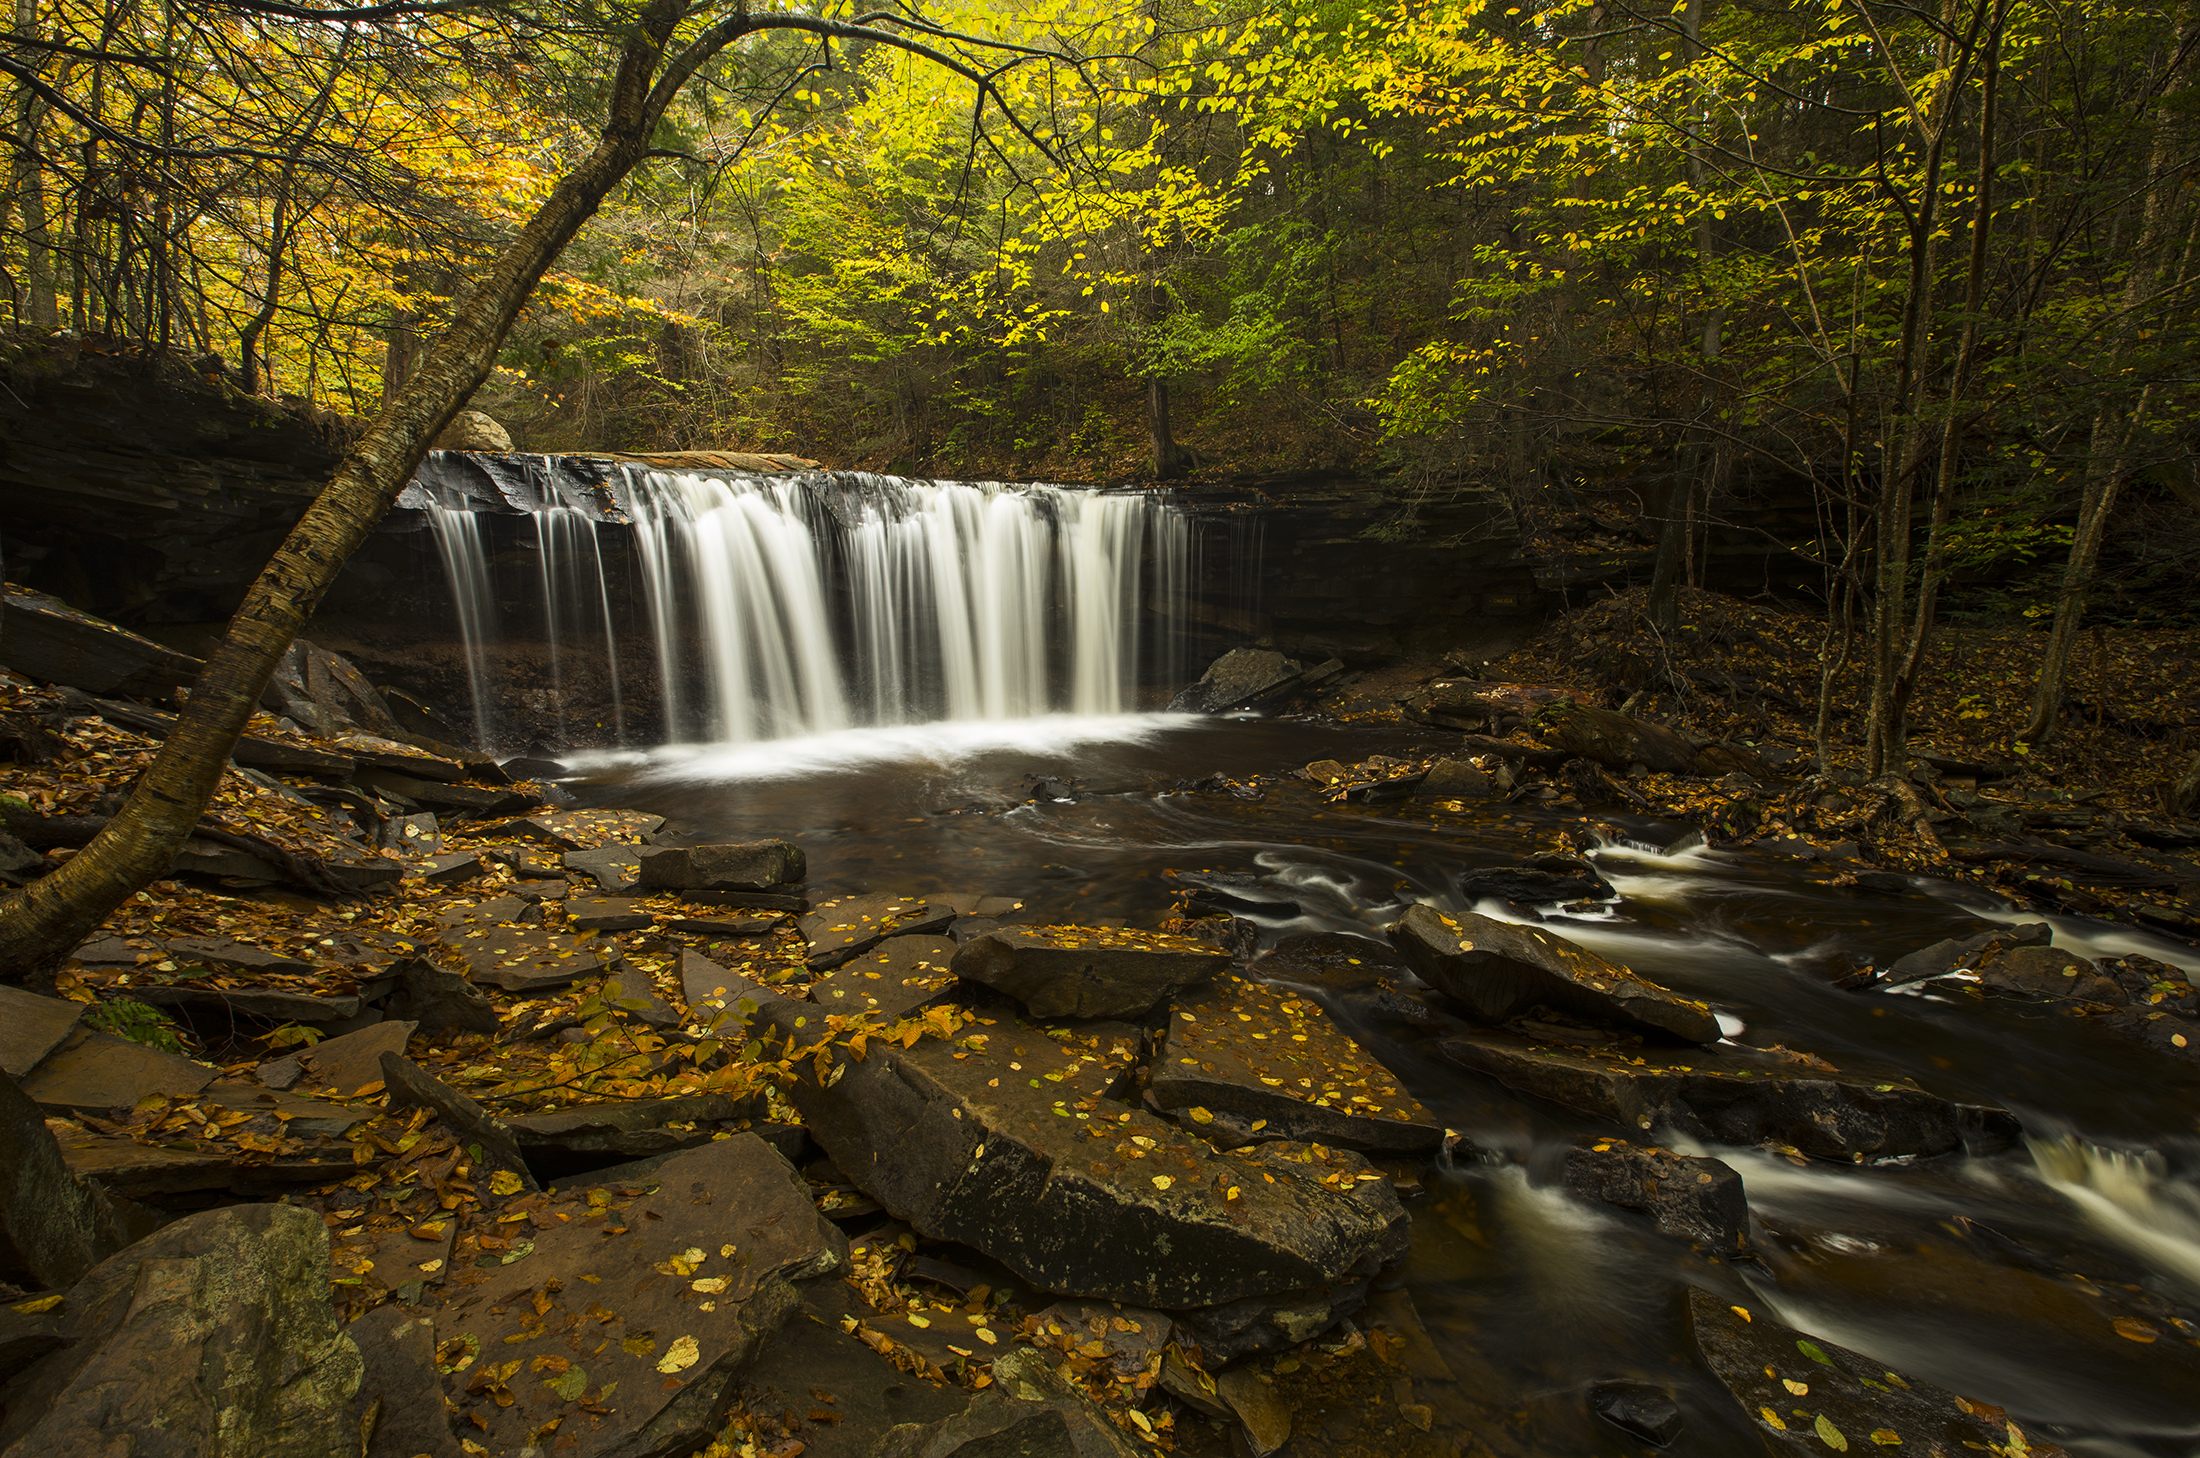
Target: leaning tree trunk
49,916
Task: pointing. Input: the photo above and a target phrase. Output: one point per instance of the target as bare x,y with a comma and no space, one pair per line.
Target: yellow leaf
680,1356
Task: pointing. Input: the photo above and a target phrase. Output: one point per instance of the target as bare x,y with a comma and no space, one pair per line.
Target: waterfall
788,606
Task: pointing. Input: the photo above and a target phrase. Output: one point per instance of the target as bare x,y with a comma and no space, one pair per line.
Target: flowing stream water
888,679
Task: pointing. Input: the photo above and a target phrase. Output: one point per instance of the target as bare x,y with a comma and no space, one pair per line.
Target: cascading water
794,606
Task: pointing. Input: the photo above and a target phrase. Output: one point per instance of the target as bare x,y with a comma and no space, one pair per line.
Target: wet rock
435,1000
354,1061
614,868
473,918
98,1072
839,930
634,1130
835,1394
534,767
1737,1096
577,830
54,1225
1243,678
1803,1395
1027,1410
1022,1148
1540,879
2044,972
31,1027
708,986
1277,1061
214,1335
1640,1409
1945,956
398,1410
750,900
1693,1197
197,1005
1496,970
411,1085
607,914
1087,972
1256,1404
525,960
892,980
755,865
1334,962
747,927
1455,779
693,1277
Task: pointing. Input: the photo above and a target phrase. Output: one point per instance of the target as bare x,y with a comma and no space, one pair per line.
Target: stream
1999,1277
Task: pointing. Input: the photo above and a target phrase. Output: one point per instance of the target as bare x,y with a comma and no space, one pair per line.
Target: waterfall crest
790,606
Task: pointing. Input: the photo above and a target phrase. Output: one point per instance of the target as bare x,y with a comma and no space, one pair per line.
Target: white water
2128,1197
800,607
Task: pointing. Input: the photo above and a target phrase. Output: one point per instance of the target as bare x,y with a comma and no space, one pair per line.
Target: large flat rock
750,865
526,959
1737,1096
1022,1147
838,930
833,1392
353,1061
53,642
632,1129
96,1071
1806,1395
1088,972
31,1027
1496,970
689,1281
1271,1056
892,980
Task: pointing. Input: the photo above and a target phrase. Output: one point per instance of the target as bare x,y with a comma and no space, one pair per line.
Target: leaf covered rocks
1087,972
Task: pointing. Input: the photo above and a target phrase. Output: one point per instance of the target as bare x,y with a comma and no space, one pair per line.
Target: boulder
1455,779
46,639
1640,1409
1281,1068
212,1336
1693,1197
753,865
1734,1095
1539,880
1264,1417
709,987
839,930
1027,1410
471,430
1087,972
1022,1147
1951,953
1496,970
1804,1395
2044,972
1243,678
31,1027
1616,741
435,1000
325,694
27,1335
54,1225
692,1276
1334,962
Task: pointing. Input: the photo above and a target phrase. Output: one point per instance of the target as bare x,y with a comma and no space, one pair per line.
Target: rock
1455,779
128,1170
214,1335
1640,1409
721,928
607,914
1258,1406
471,798
525,960
633,1129
533,767
16,857
892,980
1737,1096
614,868
576,830
1276,1059
434,1000
1129,1337
50,641
1192,1387
1616,741
2046,973
1540,880
835,1394
99,1072
409,1083
750,900
707,985
391,1259
1334,962
1693,1197
203,1004
31,1027
692,1280
471,430
54,1225
353,1062
450,868
1243,678
209,858
280,1073
1027,1410
1943,957
1023,1149
556,890
25,1337
1848,1401
1087,972
412,765
755,865
631,994
472,919
398,1411
841,929
1496,970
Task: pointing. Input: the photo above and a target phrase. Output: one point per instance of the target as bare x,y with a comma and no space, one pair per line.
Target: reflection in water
2002,1278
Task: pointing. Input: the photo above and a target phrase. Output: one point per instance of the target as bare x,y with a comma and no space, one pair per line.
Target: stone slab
96,1071
1088,972
524,960
891,980
607,913
259,1004
614,868
838,930
354,1061
31,1027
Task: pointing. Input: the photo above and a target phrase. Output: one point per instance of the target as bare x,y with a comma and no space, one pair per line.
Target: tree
660,49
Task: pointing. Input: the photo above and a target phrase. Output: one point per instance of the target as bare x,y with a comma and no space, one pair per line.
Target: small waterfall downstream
783,607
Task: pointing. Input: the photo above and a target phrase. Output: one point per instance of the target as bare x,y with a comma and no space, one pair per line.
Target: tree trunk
45,919
1168,456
